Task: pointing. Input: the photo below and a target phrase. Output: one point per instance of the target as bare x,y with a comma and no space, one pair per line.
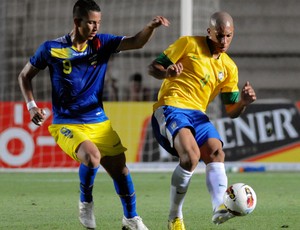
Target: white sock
179,186
216,182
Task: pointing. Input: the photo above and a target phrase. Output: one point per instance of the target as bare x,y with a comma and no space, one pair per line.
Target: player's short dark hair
82,7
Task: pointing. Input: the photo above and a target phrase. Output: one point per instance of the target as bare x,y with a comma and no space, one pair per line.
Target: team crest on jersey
93,60
220,76
96,44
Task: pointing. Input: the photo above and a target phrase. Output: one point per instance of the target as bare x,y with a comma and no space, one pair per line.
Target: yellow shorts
70,136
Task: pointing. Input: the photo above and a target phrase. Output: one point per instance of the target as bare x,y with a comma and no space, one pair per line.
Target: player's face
221,38
89,26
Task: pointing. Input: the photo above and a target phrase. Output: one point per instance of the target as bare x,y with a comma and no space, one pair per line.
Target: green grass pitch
50,201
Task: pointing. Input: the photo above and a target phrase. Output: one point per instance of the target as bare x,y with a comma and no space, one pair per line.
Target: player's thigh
106,139
211,151
186,145
68,138
167,121
88,153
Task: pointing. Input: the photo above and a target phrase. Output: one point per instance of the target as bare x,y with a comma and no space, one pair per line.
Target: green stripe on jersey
230,98
163,60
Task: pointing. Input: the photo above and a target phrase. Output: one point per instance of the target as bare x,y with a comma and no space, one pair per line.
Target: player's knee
89,154
92,158
190,160
95,158
218,156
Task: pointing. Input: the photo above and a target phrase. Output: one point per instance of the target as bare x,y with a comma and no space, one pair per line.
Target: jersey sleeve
39,59
164,60
230,91
173,53
110,42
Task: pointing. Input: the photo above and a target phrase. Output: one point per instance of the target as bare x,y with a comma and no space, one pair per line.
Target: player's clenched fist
37,115
248,94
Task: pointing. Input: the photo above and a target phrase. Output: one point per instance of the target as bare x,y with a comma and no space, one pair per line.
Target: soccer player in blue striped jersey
77,63
195,69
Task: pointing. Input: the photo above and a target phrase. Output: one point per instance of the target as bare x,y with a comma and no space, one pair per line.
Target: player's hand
174,70
158,21
37,115
248,94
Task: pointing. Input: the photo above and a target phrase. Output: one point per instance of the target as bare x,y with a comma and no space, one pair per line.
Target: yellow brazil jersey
202,79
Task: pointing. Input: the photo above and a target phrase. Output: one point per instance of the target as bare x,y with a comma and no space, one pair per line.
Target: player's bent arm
141,38
235,110
248,96
37,115
24,79
157,70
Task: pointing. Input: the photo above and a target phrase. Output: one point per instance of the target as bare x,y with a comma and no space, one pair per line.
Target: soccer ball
240,199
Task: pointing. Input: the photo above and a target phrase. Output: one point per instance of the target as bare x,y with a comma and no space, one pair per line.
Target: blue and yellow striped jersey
202,79
77,76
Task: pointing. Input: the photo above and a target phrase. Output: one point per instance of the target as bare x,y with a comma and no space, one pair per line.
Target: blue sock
86,176
125,189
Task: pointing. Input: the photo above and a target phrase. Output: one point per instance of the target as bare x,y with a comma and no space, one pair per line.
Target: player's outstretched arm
37,115
247,97
142,37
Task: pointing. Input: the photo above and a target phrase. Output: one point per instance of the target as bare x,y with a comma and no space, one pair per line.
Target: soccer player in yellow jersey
195,69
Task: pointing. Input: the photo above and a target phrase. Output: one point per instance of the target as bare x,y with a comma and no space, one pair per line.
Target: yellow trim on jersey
70,136
65,53
80,50
202,79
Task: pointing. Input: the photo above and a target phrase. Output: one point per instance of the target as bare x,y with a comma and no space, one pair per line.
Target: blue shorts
168,120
